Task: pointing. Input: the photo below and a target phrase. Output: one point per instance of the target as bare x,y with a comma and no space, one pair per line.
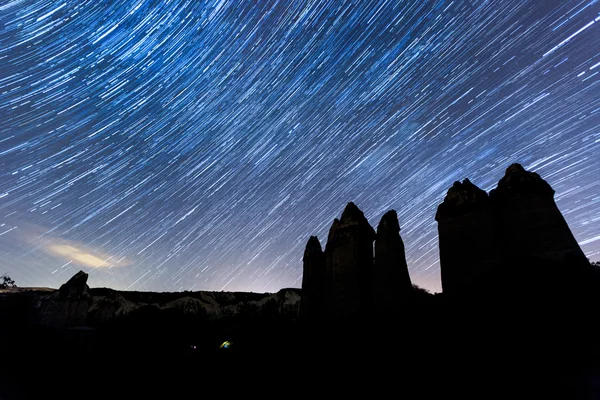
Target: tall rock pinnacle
391,280
348,263
531,225
313,280
462,198
467,236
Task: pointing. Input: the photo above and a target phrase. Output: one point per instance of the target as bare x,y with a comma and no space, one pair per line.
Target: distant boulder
68,307
75,287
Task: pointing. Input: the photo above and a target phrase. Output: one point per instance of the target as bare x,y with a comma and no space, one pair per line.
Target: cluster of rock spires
480,234
352,276
517,225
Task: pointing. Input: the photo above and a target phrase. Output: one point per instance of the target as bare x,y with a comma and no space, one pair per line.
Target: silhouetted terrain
517,318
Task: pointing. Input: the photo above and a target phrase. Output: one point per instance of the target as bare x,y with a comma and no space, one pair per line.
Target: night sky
187,145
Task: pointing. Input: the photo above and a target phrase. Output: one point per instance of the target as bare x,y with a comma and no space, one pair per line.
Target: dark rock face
487,241
354,284
462,198
106,309
348,264
391,281
467,236
530,224
75,287
67,307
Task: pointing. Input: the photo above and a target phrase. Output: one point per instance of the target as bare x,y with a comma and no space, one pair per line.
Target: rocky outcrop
313,280
355,283
108,308
467,236
490,242
75,288
68,306
391,281
530,224
348,264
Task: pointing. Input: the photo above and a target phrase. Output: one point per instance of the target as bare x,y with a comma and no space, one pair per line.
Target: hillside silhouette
517,317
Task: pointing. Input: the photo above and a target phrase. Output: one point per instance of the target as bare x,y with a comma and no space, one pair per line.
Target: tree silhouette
6,282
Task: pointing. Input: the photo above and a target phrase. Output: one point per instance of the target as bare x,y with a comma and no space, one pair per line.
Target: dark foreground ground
464,356
533,340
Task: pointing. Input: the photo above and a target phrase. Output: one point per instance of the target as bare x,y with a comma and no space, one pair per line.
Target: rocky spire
391,280
514,232
313,280
467,237
353,215
530,224
313,248
353,222
462,197
348,263
519,183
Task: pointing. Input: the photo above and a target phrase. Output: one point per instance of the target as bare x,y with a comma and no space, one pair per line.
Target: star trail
196,145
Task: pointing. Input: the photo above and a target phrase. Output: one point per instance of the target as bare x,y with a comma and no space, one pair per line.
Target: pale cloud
75,252
79,254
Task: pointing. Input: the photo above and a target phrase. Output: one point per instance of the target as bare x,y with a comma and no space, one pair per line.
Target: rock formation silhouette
348,264
69,305
467,236
313,281
485,239
391,280
511,239
355,283
530,224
